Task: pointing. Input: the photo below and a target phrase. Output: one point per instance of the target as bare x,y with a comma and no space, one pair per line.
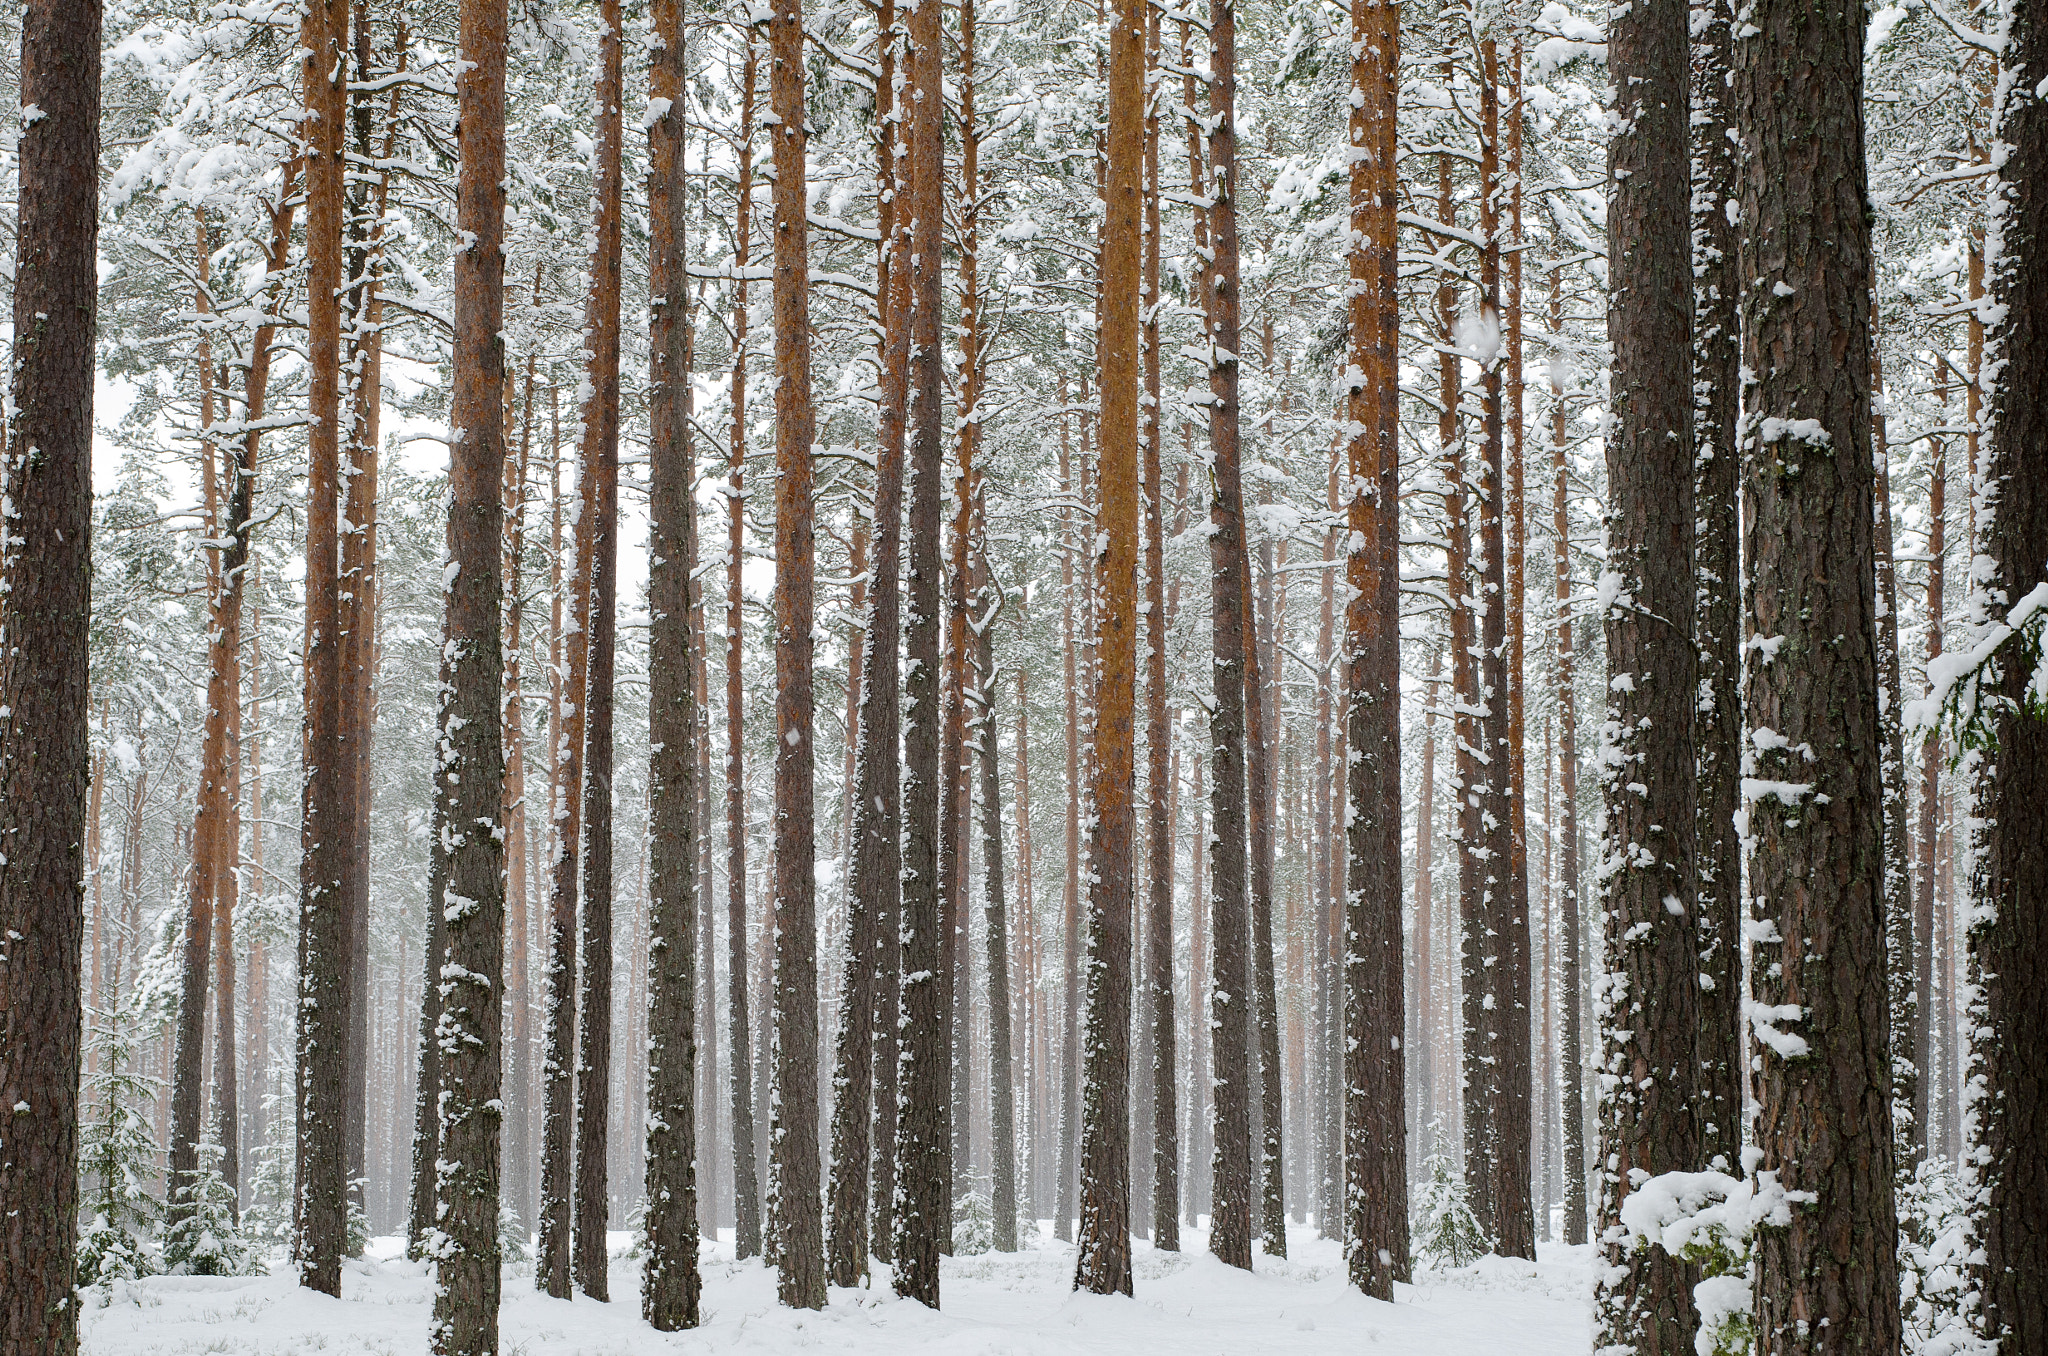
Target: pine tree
670,1283
1104,1262
799,1226
1810,696
325,980
2007,943
589,1262
1374,1065
469,754
117,1215
1646,997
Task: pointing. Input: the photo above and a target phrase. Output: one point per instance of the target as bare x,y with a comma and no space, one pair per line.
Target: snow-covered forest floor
1020,1304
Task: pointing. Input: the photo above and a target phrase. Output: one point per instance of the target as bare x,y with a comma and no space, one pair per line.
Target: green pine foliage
117,1150
206,1239
1447,1233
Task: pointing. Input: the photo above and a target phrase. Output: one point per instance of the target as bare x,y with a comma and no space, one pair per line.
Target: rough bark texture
1646,998
1230,1230
470,766
1104,1241
1717,733
589,1262
671,1284
2009,941
923,1205
799,1225
1828,1279
325,984
1159,839
875,849
43,616
1375,1062
1503,1016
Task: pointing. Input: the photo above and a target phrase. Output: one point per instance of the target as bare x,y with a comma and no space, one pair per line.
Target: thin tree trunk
2007,942
1375,1074
518,995
1068,1100
671,1283
746,1179
1002,1078
1165,1105
1816,830
43,681
469,775
326,985
1648,1002
1571,977
599,492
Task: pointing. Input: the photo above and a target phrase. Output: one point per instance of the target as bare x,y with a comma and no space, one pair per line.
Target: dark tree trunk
1231,999
923,1205
670,1285
1648,999
1503,1027
1104,1262
2009,941
1375,1064
1717,733
469,776
799,1225
326,984
864,1074
599,488
1810,697
44,612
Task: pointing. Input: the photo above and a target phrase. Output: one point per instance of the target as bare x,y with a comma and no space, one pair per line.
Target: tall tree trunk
1815,816
2007,940
566,659
1375,1067
470,766
1503,1014
213,845
1901,927
1930,805
1165,1071
1104,1263
671,1284
1231,999
1649,989
799,1227
599,492
326,985
518,1170
745,1163
1067,1097
43,683
1570,978
923,1205
864,1078
1002,1079
1717,399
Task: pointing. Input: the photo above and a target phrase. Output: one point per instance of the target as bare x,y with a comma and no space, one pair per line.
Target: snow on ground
1021,1304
